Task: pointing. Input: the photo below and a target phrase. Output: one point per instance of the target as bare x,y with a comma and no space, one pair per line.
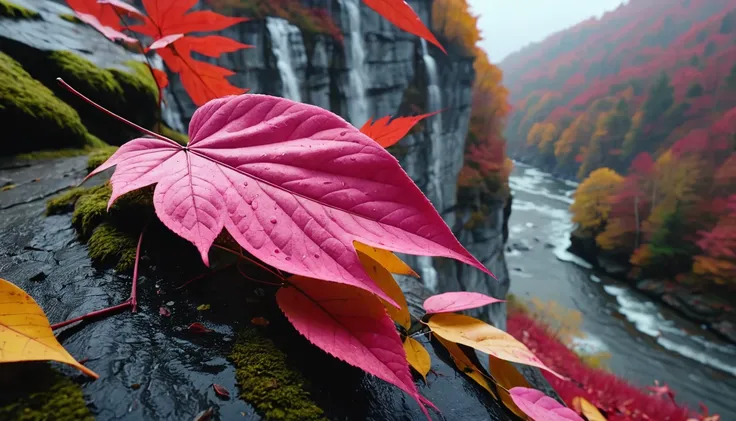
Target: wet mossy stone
267,382
33,118
130,92
11,10
36,392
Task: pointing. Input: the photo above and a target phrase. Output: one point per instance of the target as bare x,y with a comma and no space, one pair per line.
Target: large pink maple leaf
293,184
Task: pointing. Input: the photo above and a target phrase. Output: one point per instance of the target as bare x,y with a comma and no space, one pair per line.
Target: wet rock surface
151,366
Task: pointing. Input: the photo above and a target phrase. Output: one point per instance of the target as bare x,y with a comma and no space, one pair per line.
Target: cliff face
376,71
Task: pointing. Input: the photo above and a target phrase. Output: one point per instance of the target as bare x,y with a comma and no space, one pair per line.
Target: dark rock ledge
152,368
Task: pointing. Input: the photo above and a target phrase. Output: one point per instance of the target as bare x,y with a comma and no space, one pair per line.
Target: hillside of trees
638,79
640,105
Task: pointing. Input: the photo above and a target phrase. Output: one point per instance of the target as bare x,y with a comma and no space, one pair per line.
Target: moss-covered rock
69,17
39,119
138,84
268,383
64,202
109,245
99,156
11,10
130,93
36,392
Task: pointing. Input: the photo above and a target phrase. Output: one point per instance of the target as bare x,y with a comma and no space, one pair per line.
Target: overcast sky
508,25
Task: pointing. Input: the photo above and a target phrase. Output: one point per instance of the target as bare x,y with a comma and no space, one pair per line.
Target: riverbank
646,339
614,396
706,309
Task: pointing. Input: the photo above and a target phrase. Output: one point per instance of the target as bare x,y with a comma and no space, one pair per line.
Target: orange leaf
418,357
388,133
589,411
507,376
388,284
464,364
476,334
25,333
403,16
387,259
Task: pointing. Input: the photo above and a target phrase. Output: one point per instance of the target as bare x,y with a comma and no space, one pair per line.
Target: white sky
508,25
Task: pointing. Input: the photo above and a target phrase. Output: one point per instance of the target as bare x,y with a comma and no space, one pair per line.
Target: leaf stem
134,289
112,114
131,302
97,313
255,262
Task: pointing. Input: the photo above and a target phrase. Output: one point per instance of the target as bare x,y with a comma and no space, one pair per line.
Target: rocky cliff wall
378,70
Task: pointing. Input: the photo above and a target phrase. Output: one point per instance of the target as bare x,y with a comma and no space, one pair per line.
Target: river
646,340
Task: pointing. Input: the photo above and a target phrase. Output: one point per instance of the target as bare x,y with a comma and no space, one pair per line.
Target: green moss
267,382
79,71
109,245
70,18
99,156
65,201
38,393
13,11
90,209
138,84
40,119
94,145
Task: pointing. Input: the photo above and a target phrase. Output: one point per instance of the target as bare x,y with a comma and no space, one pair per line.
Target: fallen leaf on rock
508,377
203,307
450,302
25,333
198,328
540,407
418,357
589,411
260,321
477,334
205,415
464,364
221,391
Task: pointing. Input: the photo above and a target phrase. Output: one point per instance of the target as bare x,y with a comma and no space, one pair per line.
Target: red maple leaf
169,17
202,81
388,133
403,16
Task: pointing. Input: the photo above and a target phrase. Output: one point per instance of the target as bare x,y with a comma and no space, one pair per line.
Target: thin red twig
112,114
131,302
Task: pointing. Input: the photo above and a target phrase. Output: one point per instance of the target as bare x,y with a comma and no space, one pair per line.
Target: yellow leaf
418,357
589,411
507,376
485,338
388,284
25,333
387,259
463,363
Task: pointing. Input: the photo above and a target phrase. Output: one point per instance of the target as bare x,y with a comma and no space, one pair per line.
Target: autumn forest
640,106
